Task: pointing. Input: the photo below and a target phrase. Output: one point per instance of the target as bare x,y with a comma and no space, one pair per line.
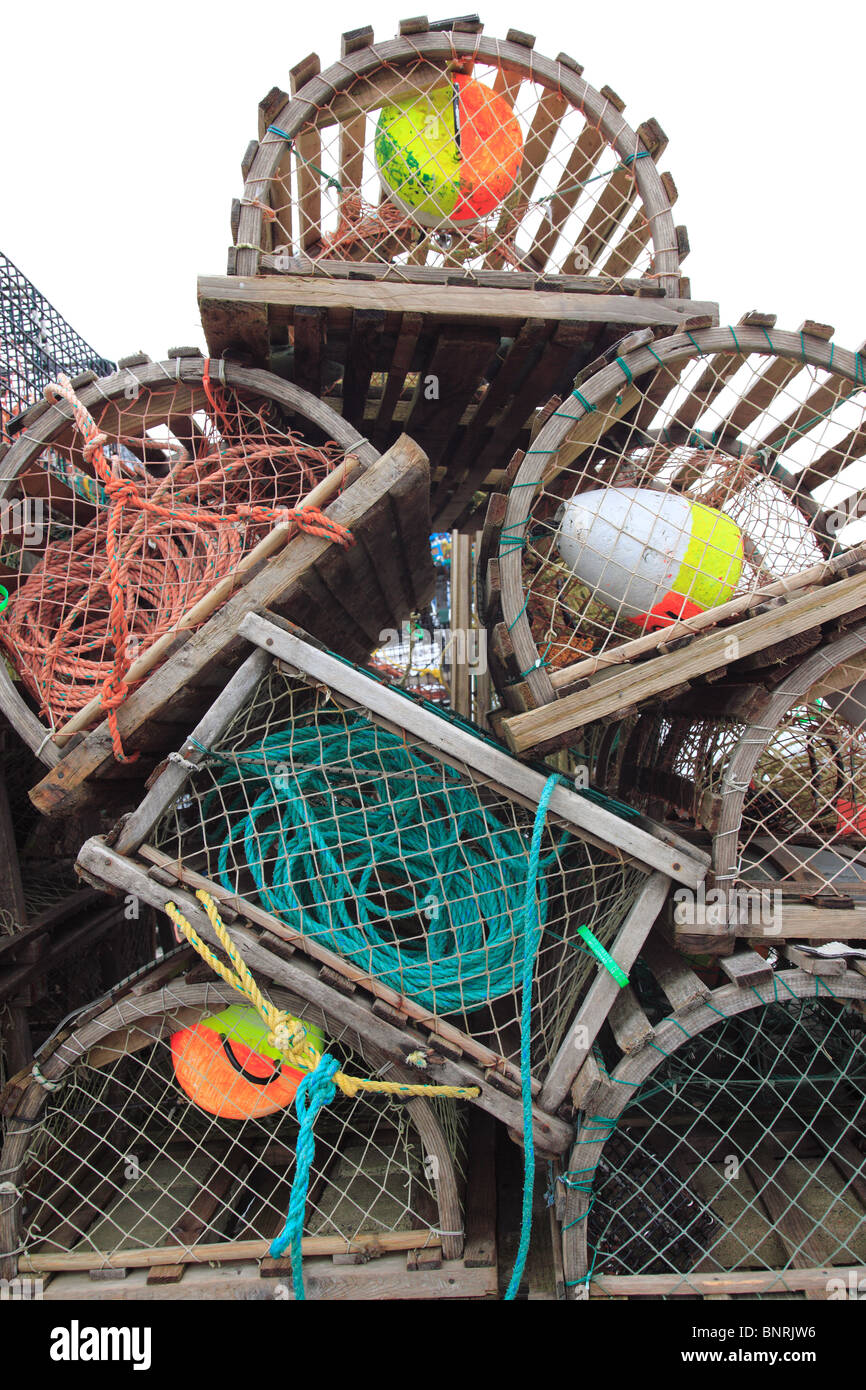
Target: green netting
743,1150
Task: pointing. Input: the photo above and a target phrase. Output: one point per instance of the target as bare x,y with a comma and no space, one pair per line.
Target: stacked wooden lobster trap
451,691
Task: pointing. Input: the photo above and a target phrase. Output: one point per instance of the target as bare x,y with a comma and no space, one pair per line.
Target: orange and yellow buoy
227,1067
450,155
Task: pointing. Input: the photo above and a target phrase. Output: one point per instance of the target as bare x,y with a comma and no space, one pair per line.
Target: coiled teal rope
352,837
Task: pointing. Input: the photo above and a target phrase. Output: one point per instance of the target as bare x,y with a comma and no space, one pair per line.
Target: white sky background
123,127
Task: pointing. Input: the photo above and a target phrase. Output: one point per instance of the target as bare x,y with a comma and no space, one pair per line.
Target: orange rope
158,546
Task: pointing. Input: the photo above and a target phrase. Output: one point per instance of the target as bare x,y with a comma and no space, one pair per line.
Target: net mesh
783,798
123,1159
466,165
684,488
741,1150
200,473
361,839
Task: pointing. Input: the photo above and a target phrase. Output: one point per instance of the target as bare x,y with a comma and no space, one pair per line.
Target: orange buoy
227,1067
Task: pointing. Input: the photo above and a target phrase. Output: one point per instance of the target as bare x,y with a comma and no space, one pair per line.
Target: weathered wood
445,303
746,968
480,1248
612,832
381,1279
652,678
575,1046
629,1024
738,1282
681,986
825,966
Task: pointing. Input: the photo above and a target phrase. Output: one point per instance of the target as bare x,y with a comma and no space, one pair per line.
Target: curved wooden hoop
160,1010
755,738
633,1070
612,388
436,50
50,419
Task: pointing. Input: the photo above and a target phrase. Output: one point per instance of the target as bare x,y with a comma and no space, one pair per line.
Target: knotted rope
147,571
289,1036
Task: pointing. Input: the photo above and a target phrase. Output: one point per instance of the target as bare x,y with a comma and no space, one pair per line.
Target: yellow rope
286,1033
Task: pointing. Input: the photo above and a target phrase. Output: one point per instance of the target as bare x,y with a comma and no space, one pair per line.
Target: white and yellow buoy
652,557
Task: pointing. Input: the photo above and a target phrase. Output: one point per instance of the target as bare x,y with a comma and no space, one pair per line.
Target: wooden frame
602,1100
347,596
369,73
753,703
496,355
135,865
45,424
138,1021
498,342
547,707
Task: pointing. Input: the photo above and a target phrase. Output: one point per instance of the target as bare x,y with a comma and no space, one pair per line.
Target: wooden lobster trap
391,843
153,1152
189,533
720,1149
695,502
766,770
358,267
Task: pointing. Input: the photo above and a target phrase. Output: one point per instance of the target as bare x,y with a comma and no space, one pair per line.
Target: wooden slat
221,297
706,653
548,113
480,1248
575,1046
461,587
361,354
637,234
746,968
530,341
629,1024
616,198
401,363
681,986
309,342
454,371
308,152
736,1282
585,154
352,130
559,351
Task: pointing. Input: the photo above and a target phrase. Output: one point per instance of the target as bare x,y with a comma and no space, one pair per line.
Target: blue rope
316,1090
532,930
323,813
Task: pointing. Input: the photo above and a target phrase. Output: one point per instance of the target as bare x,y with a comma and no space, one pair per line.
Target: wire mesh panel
35,344
394,845
671,490
727,1155
164,1137
449,150
131,511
